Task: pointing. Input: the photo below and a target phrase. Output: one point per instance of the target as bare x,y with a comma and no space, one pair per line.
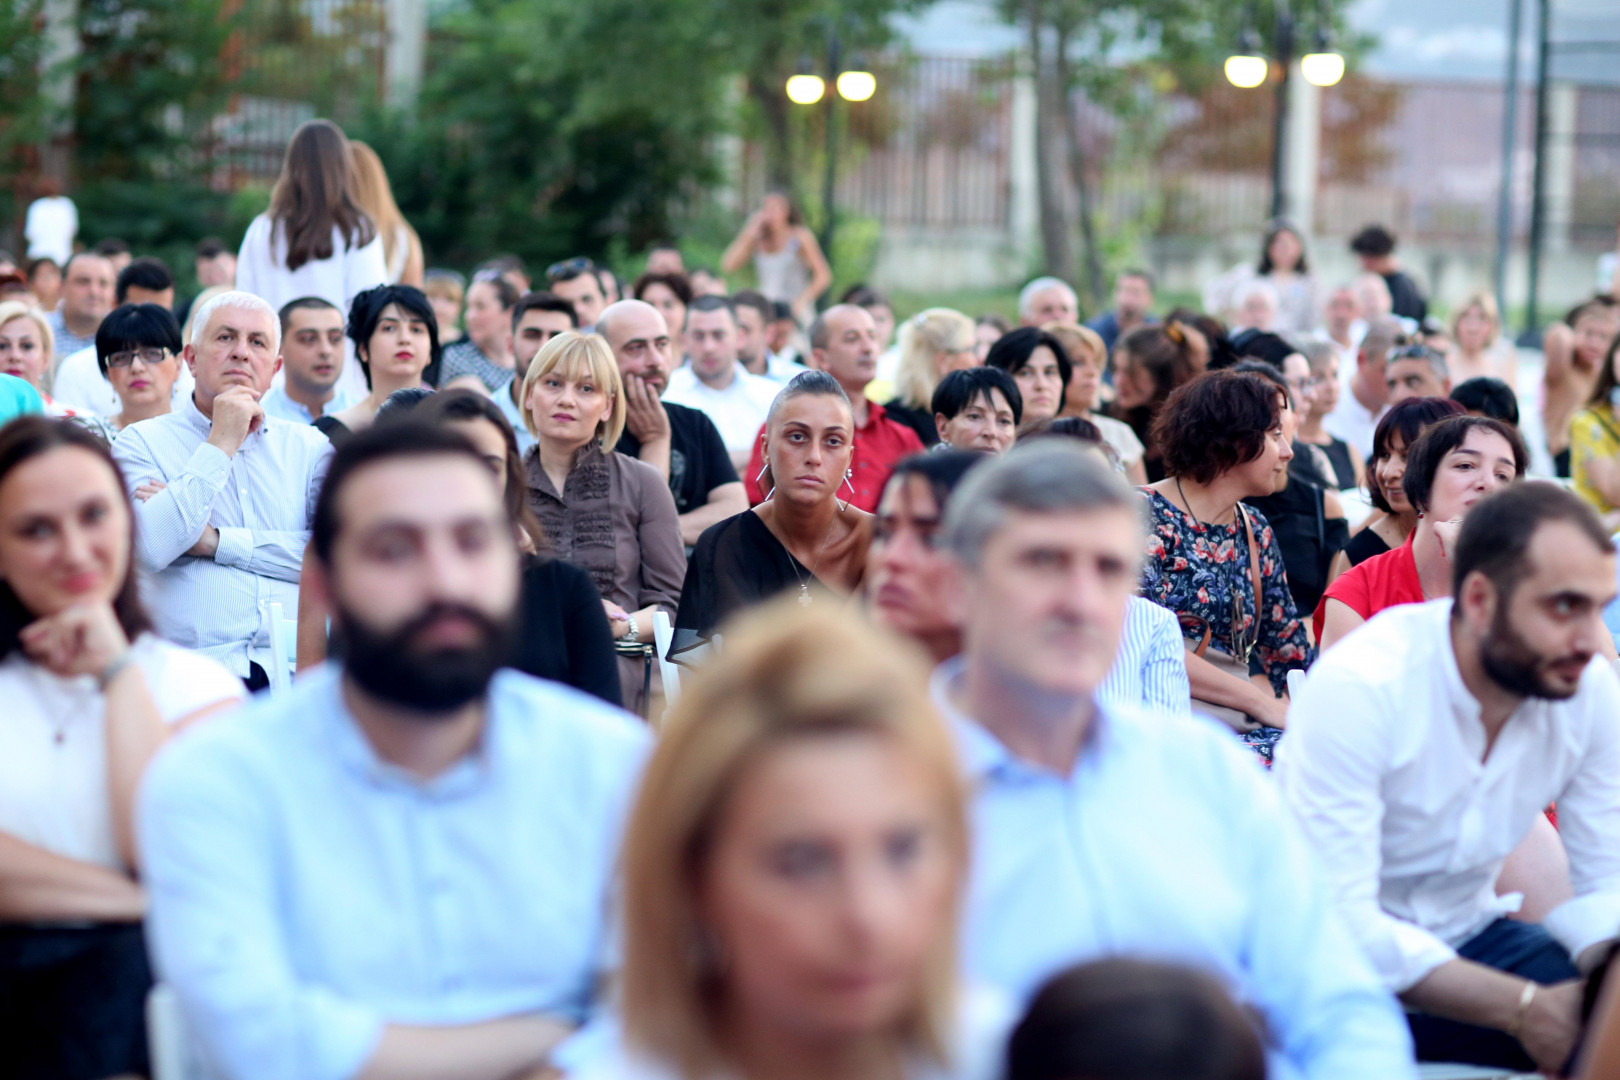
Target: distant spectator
1149,363
312,341
116,252
214,266
1133,307
1346,460
51,224
1595,442
138,353
978,409
1040,366
1477,347
1088,362
81,384
1358,411
395,342
1284,266
665,259
1256,308
576,281
789,264
485,354
446,289
1416,371
87,295
1575,349
1046,300
987,330
14,286
705,282
1374,246
402,248
670,293
510,267
1342,324
933,343
25,351
755,316
45,282
1485,396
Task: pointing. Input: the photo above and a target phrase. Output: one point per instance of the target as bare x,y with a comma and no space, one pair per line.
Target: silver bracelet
117,664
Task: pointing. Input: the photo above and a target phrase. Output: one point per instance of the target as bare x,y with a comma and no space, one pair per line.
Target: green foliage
23,108
165,220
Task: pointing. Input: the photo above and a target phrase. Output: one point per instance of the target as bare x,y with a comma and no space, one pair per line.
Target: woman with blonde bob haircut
933,344
603,511
1477,348
793,869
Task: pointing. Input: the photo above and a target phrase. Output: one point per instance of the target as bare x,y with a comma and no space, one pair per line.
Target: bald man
679,442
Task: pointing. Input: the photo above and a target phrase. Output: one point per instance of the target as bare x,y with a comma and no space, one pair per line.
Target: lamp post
1249,68
807,88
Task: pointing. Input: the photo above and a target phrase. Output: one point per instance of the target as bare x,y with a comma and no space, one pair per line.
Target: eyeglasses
569,268
149,357
1417,352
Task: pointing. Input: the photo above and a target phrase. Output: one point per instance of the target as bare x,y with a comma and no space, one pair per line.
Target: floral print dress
1202,571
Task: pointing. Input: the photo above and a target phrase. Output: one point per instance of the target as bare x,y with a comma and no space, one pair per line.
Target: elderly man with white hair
1047,300
225,494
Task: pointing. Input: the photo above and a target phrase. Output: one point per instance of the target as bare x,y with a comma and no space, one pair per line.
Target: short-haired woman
978,409
670,293
1149,362
90,694
1323,359
1453,465
933,343
1088,360
138,351
1039,364
483,358
808,756
396,339
1215,562
803,539
605,512
1477,348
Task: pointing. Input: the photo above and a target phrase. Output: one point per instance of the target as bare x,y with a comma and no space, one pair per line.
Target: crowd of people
697,682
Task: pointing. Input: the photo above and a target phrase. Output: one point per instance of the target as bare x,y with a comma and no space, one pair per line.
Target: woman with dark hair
90,694
1215,562
1395,519
977,409
396,339
788,263
314,240
1149,362
670,293
138,351
483,358
1453,465
1283,264
802,539
1039,364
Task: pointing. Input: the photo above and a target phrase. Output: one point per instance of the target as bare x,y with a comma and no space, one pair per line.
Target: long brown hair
315,194
376,197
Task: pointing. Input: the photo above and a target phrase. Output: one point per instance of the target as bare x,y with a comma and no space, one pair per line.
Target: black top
565,635
333,429
919,420
1307,537
735,564
1363,546
698,462
1344,465
1405,299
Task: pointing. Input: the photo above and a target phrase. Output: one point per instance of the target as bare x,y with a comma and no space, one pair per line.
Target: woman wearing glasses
1215,562
138,350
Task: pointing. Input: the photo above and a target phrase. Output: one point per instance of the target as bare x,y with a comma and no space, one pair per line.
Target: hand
1445,533
1551,1025
148,488
206,544
644,414
237,414
618,619
1272,711
78,640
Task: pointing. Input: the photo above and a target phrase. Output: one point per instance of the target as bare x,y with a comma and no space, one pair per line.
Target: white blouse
53,746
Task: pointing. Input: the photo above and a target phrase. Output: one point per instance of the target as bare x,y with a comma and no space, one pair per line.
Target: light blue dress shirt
1167,842
304,894
279,406
1150,668
261,500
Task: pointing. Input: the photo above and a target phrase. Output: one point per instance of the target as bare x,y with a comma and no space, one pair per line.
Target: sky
1426,39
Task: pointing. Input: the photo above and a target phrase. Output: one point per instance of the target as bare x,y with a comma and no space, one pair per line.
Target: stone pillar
1559,192
1304,148
1024,201
406,50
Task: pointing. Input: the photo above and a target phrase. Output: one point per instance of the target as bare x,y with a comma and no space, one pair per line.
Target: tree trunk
1058,259
773,107
1095,285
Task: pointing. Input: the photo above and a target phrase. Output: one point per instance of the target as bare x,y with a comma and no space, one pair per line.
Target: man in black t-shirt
679,442
1375,247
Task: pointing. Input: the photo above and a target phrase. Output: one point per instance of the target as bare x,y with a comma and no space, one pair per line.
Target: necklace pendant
804,595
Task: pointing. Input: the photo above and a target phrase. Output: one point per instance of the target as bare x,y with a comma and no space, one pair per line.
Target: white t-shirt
738,410
50,228
81,386
53,746
1119,436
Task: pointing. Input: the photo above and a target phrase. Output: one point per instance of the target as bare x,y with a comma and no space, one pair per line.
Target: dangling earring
842,506
763,469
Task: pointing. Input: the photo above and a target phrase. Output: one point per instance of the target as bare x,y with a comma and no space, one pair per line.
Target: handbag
1235,666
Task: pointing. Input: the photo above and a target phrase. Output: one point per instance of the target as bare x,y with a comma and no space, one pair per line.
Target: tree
24,109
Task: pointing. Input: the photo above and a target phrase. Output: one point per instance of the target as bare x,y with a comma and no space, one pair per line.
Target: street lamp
854,84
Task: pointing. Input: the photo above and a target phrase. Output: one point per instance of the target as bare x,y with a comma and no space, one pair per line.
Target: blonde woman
26,350
793,869
1088,359
606,512
1477,347
402,248
933,344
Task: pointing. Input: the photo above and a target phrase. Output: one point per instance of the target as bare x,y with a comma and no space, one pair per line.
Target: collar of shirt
985,757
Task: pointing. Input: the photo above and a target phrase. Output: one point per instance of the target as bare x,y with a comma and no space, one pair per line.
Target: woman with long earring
804,538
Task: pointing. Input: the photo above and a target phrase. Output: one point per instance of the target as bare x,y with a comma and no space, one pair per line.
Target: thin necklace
804,596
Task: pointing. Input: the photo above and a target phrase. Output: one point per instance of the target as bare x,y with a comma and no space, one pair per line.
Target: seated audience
1128,1019
933,343
1117,830
1045,300
844,344
579,281
680,442
1575,350
138,350
1149,363
396,340
90,695
1452,466
607,513
1374,248
224,495
1416,371
1039,364
1477,347
537,317
1419,755
1348,469
88,282
1393,518
312,357
1133,308
79,382
445,290
987,330
977,409
792,872
1357,414
1594,441
1082,398
314,839
714,382
1213,561
26,351
485,354
804,539
1487,396
669,292
757,350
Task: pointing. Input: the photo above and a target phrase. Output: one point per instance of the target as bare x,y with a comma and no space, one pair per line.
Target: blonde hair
575,353
1078,340
1487,306
923,337
16,309
787,673
376,197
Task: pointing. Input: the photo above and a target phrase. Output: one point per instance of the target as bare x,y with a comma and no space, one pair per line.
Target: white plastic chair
668,670
281,655
1445,1071
1296,679
166,1034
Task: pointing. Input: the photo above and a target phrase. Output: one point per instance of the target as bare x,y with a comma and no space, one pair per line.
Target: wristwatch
633,634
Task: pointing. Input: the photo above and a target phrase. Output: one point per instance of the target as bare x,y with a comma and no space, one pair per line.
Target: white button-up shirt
738,410
261,500
1151,666
1384,765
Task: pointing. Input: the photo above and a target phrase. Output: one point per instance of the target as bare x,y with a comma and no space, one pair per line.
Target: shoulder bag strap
1254,568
